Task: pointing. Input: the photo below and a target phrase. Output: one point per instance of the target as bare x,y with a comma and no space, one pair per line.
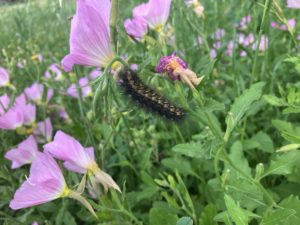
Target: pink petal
65,147
90,37
24,154
4,77
12,119
43,131
44,184
136,28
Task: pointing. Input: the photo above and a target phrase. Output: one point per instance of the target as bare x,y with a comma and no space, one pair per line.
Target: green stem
81,109
254,67
114,10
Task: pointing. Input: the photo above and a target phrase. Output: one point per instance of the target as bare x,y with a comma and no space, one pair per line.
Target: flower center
65,192
93,168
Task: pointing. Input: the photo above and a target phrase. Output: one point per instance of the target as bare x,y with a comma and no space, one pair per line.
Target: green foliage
233,160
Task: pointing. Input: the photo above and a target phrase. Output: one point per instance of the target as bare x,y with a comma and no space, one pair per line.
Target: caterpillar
147,97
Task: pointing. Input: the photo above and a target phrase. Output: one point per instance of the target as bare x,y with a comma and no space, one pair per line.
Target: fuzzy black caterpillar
147,97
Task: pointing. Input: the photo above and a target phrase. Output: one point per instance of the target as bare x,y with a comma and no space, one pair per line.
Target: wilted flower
86,89
4,77
45,183
54,72
197,7
63,114
25,153
35,92
177,69
154,13
43,131
136,28
90,35
293,4
66,148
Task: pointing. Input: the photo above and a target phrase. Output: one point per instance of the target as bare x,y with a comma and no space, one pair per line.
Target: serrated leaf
242,104
288,213
288,130
185,221
236,213
237,156
283,164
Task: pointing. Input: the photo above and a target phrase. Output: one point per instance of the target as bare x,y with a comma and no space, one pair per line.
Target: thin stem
114,11
81,109
254,67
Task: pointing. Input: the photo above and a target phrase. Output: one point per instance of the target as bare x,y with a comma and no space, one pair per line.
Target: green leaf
193,150
288,213
242,104
181,165
236,213
237,156
156,216
288,131
283,164
264,141
185,221
273,100
208,214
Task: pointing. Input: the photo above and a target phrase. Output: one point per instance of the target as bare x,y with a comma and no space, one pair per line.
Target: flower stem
82,200
254,67
114,11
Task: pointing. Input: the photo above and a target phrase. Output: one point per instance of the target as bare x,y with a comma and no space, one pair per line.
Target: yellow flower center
65,192
93,168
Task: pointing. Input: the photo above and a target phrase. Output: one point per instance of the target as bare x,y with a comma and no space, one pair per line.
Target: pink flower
35,223
4,77
155,13
43,131
293,4
90,35
136,28
94,74
213,53
4,103
53,72
25,153
45,183
86,89
220,33
12,119
66,148
134,67
63,114
264,43
244,22
35,92
29,112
